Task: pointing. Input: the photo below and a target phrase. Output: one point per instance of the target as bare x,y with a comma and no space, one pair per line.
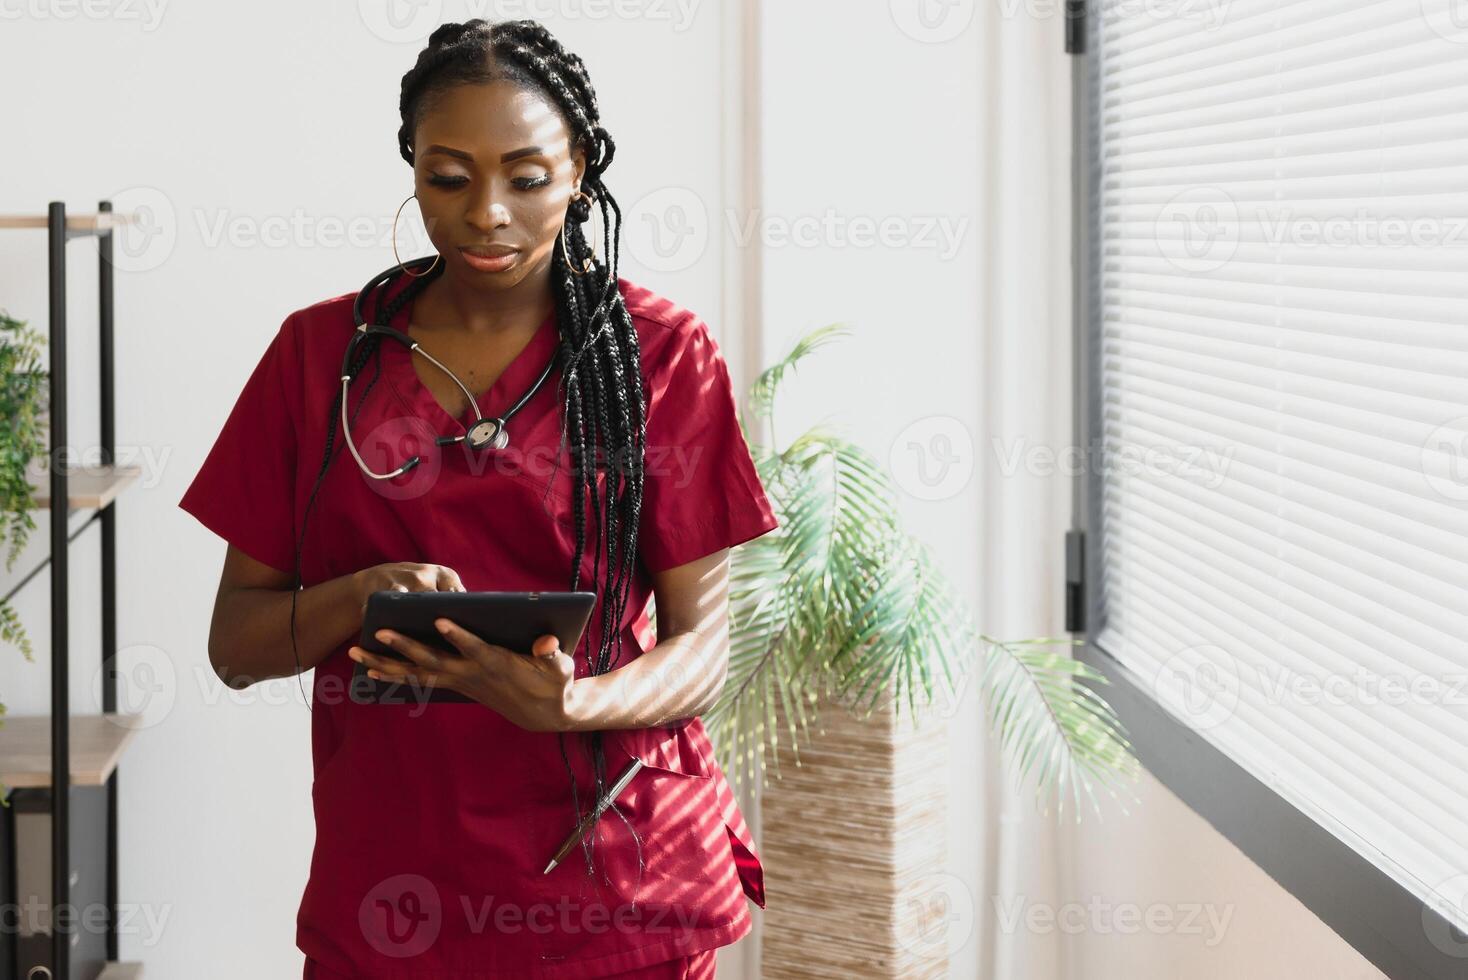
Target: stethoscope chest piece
484,434
488,432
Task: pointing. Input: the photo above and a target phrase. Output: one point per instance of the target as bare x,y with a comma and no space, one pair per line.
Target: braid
600,391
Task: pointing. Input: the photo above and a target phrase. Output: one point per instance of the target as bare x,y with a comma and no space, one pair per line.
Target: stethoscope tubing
484,433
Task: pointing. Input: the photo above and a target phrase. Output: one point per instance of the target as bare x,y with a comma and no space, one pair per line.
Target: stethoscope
484,433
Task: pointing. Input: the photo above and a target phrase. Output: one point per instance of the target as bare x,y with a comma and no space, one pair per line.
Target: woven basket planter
850,840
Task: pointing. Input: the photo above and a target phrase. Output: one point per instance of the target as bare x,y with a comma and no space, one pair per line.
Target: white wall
279,118
863,122
1220,917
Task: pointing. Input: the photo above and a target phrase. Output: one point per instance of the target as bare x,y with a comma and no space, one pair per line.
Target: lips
488,251
489,259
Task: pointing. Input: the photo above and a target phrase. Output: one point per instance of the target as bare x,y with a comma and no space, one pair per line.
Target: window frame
1384,921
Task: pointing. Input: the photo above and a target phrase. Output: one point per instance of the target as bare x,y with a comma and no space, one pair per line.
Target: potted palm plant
839,610
23,395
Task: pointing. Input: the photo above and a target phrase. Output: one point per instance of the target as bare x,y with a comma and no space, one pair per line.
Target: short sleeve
701,492
245,490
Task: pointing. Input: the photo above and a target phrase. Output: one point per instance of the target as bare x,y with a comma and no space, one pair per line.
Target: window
1273,325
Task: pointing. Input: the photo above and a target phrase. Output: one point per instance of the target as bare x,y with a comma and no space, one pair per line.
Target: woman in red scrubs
626,473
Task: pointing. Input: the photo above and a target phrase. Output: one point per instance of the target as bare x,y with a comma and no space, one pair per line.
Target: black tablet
510,619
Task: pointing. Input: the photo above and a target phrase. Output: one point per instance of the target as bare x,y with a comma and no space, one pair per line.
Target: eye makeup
523,183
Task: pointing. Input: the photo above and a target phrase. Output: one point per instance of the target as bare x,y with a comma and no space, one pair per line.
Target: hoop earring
586,266
436,257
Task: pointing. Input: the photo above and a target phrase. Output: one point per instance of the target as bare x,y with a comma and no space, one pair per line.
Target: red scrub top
434,822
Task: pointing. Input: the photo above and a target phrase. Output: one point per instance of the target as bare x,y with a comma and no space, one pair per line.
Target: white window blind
1282,257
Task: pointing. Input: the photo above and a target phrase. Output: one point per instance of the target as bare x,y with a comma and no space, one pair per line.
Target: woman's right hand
405,576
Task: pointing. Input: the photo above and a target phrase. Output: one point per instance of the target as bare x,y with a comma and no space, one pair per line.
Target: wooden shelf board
93,486
97,742
121,971
74,222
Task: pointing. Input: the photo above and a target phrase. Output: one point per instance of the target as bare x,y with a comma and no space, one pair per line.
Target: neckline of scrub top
517,376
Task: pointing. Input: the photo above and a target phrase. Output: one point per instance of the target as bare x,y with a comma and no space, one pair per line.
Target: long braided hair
601,395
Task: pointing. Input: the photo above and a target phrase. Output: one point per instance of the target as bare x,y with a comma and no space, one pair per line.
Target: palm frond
839,600
1051,725
762,392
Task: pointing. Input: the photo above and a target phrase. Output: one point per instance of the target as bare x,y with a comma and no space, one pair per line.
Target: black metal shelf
96,810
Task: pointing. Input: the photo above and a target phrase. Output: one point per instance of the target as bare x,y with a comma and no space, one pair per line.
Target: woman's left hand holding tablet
534,692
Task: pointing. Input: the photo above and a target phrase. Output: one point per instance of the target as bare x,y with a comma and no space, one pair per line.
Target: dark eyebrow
524,151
